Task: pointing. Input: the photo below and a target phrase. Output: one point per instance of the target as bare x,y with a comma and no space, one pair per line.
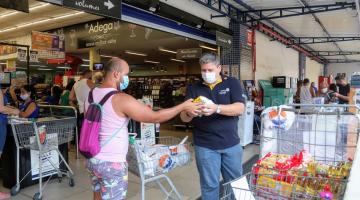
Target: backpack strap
91,98
106,97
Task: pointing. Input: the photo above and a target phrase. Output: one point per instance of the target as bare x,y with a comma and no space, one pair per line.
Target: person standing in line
80,92
109,169
217,143
4,112
343,89
313,89
305,94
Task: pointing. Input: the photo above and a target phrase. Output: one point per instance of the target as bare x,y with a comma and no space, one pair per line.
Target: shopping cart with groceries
42,137
152,158
306,152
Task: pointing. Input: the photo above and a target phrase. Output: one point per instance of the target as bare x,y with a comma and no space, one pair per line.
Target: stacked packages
299,177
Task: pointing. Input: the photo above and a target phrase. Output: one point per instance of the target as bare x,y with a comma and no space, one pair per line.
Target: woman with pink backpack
104,136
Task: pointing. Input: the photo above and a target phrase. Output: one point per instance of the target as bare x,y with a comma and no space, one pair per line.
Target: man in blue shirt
217,143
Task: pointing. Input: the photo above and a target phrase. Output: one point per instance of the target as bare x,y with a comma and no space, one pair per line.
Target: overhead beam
224,8
315,40
275,13
335,53
342,61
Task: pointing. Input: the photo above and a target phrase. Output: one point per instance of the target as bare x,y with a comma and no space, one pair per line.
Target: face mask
209,77
24,96
324,90
125,83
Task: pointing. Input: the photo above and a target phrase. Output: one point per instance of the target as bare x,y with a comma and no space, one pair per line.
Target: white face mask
324,90
24,96
209,77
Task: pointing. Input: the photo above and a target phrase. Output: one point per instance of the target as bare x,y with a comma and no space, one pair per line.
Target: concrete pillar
94,57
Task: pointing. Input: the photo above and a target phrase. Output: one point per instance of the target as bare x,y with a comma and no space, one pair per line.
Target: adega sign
102,28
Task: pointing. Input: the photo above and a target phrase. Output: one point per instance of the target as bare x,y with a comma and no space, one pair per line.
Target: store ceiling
341,23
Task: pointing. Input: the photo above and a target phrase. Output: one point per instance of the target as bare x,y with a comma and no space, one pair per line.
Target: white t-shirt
82,90
305,95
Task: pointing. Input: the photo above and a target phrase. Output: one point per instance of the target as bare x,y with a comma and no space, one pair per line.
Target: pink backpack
89,144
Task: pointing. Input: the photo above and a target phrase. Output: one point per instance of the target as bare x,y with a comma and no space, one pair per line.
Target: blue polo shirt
217,131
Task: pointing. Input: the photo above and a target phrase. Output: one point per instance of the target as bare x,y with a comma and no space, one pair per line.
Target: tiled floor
186,180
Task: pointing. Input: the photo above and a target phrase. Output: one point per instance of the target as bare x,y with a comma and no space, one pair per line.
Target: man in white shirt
305,94
80,92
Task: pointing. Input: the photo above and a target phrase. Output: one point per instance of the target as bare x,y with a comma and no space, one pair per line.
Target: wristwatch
218,109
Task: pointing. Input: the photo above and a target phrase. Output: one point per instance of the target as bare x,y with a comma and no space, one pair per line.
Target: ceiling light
30,9
207,47
37,65
177,60
2,63
135,53
64,67
150,61
86,60
107,56
44,69
167,50
40,21
85,65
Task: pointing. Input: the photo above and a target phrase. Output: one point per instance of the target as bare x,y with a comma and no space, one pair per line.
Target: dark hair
56,90
333,87
340,77
85,72
306,81
30,88
70,85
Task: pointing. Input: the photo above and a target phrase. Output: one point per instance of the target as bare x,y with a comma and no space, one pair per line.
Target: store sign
34,56
48,46
21,55
108,8
99,33
189,53
7,49
223,39
20,5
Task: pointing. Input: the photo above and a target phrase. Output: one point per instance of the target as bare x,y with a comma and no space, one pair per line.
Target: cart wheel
71,182
37,196
59,179
14,190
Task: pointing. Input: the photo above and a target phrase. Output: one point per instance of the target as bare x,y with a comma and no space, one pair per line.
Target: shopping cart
152,158
308,158
61,112
43,137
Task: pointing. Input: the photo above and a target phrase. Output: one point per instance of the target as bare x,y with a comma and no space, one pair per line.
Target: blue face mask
125,83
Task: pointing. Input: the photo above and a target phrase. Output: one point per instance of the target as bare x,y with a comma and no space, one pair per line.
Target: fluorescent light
64,67
177,60
85,65
38,6
206,47
30,9
150,61
167,50
86,60
37,66
44,69
2,63
106,56
135,53
40,21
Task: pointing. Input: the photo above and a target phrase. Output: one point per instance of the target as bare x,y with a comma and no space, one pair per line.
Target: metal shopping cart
152,158
308,158
42,138
61,112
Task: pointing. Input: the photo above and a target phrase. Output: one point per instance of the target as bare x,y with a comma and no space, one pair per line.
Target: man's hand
192,109
209,109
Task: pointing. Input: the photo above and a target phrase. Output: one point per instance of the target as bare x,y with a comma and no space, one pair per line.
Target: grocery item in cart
299,176
275,118
42,134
